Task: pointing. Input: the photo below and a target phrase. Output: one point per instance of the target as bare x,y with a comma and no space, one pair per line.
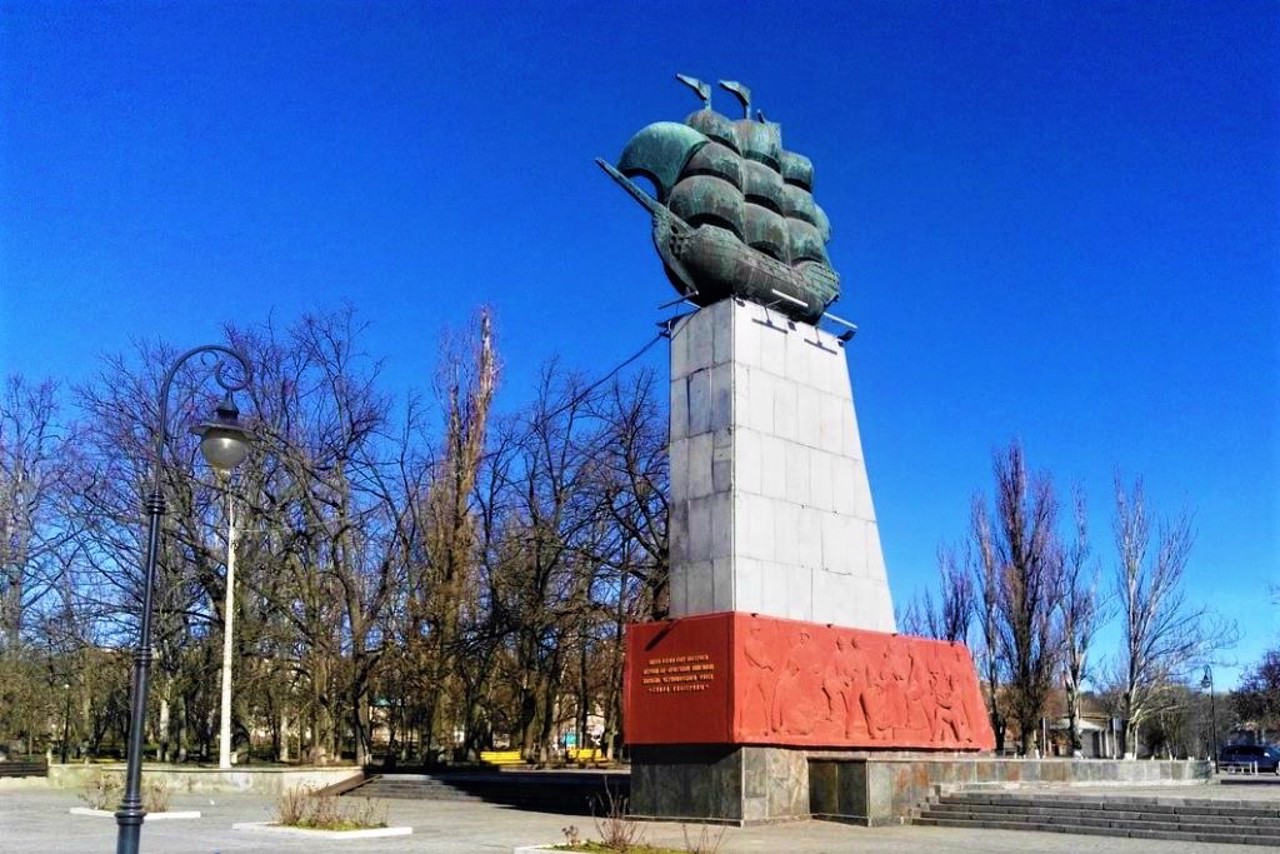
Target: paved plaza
36,819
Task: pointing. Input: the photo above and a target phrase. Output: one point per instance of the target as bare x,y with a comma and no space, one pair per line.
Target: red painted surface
734,678
672,707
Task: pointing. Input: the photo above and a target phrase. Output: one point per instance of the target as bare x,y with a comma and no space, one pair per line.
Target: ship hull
723,266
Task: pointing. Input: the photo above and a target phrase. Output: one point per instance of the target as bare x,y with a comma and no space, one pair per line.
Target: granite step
412,788
1183,824
416,793
1186,820
1252,838
1107,802
572,794
1240,818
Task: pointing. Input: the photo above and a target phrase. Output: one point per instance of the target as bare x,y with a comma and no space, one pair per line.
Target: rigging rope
654,340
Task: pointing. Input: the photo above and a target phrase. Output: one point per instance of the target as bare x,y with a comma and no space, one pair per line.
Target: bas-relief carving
833,686
749,679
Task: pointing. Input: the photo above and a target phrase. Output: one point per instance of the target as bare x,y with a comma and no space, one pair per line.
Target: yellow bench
586,754
501,757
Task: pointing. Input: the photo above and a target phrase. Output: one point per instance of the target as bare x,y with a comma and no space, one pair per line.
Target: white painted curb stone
368,833
151,816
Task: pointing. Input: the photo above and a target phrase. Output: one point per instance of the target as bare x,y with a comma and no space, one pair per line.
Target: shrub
102,790
155,795
291,808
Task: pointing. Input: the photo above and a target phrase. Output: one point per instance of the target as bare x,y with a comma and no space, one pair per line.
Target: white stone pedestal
771,509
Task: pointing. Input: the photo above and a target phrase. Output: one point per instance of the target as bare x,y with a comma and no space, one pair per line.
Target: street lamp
224,444
1207,684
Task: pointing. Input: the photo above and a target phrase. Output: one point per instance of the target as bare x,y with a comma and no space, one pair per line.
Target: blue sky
1054,221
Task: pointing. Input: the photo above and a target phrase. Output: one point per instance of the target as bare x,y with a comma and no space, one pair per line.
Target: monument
781,655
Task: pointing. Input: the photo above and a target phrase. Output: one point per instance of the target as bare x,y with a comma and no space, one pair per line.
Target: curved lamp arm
230,386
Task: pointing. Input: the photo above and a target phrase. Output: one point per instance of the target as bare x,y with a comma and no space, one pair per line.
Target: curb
368,833
151,816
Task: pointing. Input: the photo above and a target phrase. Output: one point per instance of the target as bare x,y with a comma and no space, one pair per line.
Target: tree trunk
1130,740
282,743
164,727
182,730
360,727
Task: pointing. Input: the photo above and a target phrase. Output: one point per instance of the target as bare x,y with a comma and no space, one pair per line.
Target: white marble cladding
771,509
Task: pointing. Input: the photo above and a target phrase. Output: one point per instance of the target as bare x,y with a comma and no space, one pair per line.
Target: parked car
1264,758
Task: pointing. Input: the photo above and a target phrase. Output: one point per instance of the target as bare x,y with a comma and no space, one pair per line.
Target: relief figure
794,710
950,721
762,680
845,685
879,698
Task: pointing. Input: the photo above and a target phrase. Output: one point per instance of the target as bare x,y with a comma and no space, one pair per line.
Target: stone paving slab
36,819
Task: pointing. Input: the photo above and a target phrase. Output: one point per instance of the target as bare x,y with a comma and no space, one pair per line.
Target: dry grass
708,840
619,834
102,790
292,806
155,795
302,807
617,831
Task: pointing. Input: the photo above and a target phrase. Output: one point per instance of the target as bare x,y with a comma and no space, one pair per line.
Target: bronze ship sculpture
734,213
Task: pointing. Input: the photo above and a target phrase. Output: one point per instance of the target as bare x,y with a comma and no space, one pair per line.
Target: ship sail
659,153
734,213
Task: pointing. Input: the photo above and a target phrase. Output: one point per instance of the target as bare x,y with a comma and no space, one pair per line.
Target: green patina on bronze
733,212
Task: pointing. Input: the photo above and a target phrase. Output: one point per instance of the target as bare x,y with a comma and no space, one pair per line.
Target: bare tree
1165,637
1258,697
35,472
988,603
1023,555
948,617
1082,608
324,422
443,583
551,539
120,417
631,483
477,579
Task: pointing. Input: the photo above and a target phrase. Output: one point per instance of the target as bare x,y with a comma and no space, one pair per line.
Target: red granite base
744,679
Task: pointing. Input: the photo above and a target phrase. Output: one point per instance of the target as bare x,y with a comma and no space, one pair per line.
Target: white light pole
224,730
1207,684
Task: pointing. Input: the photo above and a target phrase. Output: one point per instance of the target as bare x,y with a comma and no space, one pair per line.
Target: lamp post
224,444
224,724
1207,684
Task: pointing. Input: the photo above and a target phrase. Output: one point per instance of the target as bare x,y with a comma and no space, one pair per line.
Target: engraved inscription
677,674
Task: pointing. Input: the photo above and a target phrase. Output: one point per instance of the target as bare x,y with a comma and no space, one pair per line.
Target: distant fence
1239,767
